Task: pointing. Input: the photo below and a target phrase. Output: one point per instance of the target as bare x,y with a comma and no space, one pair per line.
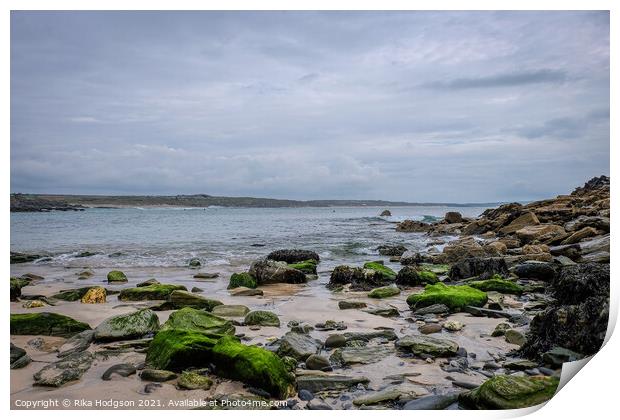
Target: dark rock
453,217
335,341
437,308
482,268
77,343
316,362
324,382
68,369
305,395
430,328
349,304
291,256
391,250
432,402
358,278
122,369
157,375
268,272
318,405
557,356
537,270
298,346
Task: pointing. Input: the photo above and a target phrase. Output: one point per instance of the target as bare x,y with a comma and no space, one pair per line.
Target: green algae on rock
454,297
377,267
384,292
177,349
116,276
412,276
199,321
242,280
152,292
194,380
127,326
252,365
262,318
306,267
510,392
46,323
497,284
183,299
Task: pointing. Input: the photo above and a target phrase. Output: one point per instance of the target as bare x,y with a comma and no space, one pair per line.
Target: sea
218,236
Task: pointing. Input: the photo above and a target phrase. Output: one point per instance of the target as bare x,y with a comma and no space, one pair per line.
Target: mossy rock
435,268
384,292
509,392
200,321
16,287
306,267
152,292
46,323
94,295
183,299
262,318
177,349
377,267
454,297
412,276
72,295
497,284
242,280
194,380
116,276
127,326
254,366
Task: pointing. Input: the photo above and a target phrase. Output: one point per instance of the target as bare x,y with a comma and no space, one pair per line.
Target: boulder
536,270
70,368
580,235
16,288
541,233
453,217
316,362
461,249
298,346
597,222
94,295
77,343
291,256
157,375
525,220
497,284
149,282
454,297
424,344
46,323
358,278
153,292
386,213
231,310
347,356
262,318
438,308
391,250
414,276
269,272
124,327
514,337
194,263
384,292
329,382
349,304
183,299
116,276
385,272
482,268
242,280
510,392
177,349
495,248
245,291
307,267
412,226
206,276
199,321
193,380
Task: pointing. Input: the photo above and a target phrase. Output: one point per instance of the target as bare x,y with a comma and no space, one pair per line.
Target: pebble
305,395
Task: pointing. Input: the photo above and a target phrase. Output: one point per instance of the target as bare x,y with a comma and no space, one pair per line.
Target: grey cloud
503,80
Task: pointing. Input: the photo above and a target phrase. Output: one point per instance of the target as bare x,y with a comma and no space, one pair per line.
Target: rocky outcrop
270,271
291,256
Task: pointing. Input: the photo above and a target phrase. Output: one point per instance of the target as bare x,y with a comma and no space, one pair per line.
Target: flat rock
68,369
347,356
245,291
316,383
77,343
231,310
422,344
298,346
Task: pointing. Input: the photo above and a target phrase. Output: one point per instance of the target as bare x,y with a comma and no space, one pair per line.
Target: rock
432,402
521,364
597,222
497,284
595,250
94,295
183,299
325,382
193,380
541,233
386,213
316,362
244,291
453,217
16,353
535,249
514,337
157,375
197,290
77,343
199,321
206,275
429,328
153,292
500,329
411,258
33,304
384,292
454,297
423,344
291,256
482,268
70,368
335,340
535,270
124,327
349,304
116,276
386,272
391,250
16,287
305,395
347,356
298,346
437,308
269,272
578,236
194,263
413,276
523,221
122,369
177,349
453,325
231,310
330,325
510,392
71,295
242,280
46,323
557,356
461,249
392,393
21,362
20,258
495,248
384,311
149,282
262,318
412,226
358,278
318,405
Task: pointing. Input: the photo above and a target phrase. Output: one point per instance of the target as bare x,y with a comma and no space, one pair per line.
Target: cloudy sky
416,106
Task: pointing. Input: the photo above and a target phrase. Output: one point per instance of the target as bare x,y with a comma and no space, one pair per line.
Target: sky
413,106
